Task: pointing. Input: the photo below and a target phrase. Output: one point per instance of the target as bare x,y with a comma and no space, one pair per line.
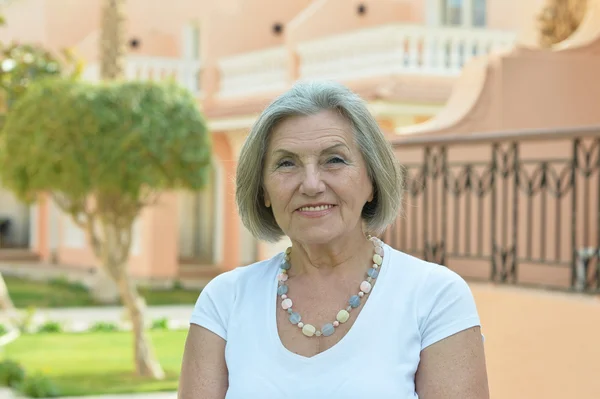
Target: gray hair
309,98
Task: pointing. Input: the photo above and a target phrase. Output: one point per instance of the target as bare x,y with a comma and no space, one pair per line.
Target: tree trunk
112,39
113,249
145,361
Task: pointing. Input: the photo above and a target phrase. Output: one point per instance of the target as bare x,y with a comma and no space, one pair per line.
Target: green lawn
97,363
26,293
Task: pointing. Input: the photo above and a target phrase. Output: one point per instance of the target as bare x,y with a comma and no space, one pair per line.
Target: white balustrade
185,72
255,72
397,49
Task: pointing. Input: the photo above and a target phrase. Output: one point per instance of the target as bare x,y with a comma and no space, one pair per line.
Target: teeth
315,208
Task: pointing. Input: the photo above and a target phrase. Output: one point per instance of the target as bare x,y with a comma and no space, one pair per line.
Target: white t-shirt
413,305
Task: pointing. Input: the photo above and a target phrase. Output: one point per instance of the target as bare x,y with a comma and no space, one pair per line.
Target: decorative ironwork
512,216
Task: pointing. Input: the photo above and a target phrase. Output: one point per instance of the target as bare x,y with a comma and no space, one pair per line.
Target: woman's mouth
315,208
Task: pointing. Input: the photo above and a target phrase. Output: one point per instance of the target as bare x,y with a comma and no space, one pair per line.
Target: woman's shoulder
218,299
244,275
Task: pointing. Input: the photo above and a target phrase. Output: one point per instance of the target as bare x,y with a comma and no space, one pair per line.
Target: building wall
226,27
236,26
316,21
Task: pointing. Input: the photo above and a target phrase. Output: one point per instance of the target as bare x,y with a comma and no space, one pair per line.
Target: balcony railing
383,51
254,73
517,207
185,72
397,49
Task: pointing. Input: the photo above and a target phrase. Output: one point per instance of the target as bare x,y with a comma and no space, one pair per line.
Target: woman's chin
315,236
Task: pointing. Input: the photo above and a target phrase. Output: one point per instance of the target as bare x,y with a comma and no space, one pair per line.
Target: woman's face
315,178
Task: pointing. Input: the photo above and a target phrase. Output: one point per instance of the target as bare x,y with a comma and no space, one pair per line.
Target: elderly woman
339,314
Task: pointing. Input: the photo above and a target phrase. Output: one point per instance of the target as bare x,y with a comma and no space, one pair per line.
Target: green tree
105,152
20,65
23,64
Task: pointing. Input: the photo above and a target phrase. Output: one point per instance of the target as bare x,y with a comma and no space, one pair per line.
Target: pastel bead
284,296
361,294
354,301
300,325
349,308
282,277
286,265
369,279
286,304
365,287
282,289
290,311
342,316
375,266
377,259
327,329
373,273
295,318
336,323
288,250
379,251
309,330
318,333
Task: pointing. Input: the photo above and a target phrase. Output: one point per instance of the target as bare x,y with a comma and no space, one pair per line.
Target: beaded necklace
343,315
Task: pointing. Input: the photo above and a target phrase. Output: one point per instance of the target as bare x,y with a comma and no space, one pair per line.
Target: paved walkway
160,395
7,394
80,318
114,313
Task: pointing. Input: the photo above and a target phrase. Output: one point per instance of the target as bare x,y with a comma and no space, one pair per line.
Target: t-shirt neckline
373,297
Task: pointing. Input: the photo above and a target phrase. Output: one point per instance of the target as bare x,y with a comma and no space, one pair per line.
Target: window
452,11
479,12
463,12
197,223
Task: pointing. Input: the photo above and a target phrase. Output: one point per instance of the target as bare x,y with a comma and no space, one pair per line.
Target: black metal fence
518,208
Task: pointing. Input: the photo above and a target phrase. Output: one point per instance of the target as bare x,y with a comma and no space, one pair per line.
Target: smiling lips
315,208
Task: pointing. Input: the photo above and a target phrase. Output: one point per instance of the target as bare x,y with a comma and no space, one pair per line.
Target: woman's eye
285,164
336,160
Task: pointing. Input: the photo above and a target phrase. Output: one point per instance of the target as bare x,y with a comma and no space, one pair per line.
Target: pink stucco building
404,57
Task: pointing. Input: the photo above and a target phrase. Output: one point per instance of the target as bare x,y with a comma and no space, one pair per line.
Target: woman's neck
347,252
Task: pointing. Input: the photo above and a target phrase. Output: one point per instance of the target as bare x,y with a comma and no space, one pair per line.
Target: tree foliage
104,152
23,64
559,19
117,142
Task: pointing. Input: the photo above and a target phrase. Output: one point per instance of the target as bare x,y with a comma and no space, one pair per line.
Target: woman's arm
204,371
454,368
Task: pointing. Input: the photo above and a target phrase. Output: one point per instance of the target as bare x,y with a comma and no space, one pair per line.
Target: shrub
39,386
160,324
178,285
63,282
11,373
25,323
103,326
50,327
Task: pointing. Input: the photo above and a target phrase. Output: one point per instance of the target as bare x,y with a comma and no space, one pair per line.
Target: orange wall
25,22
517,15
327,17
57,24
70,21
228,26
237,26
